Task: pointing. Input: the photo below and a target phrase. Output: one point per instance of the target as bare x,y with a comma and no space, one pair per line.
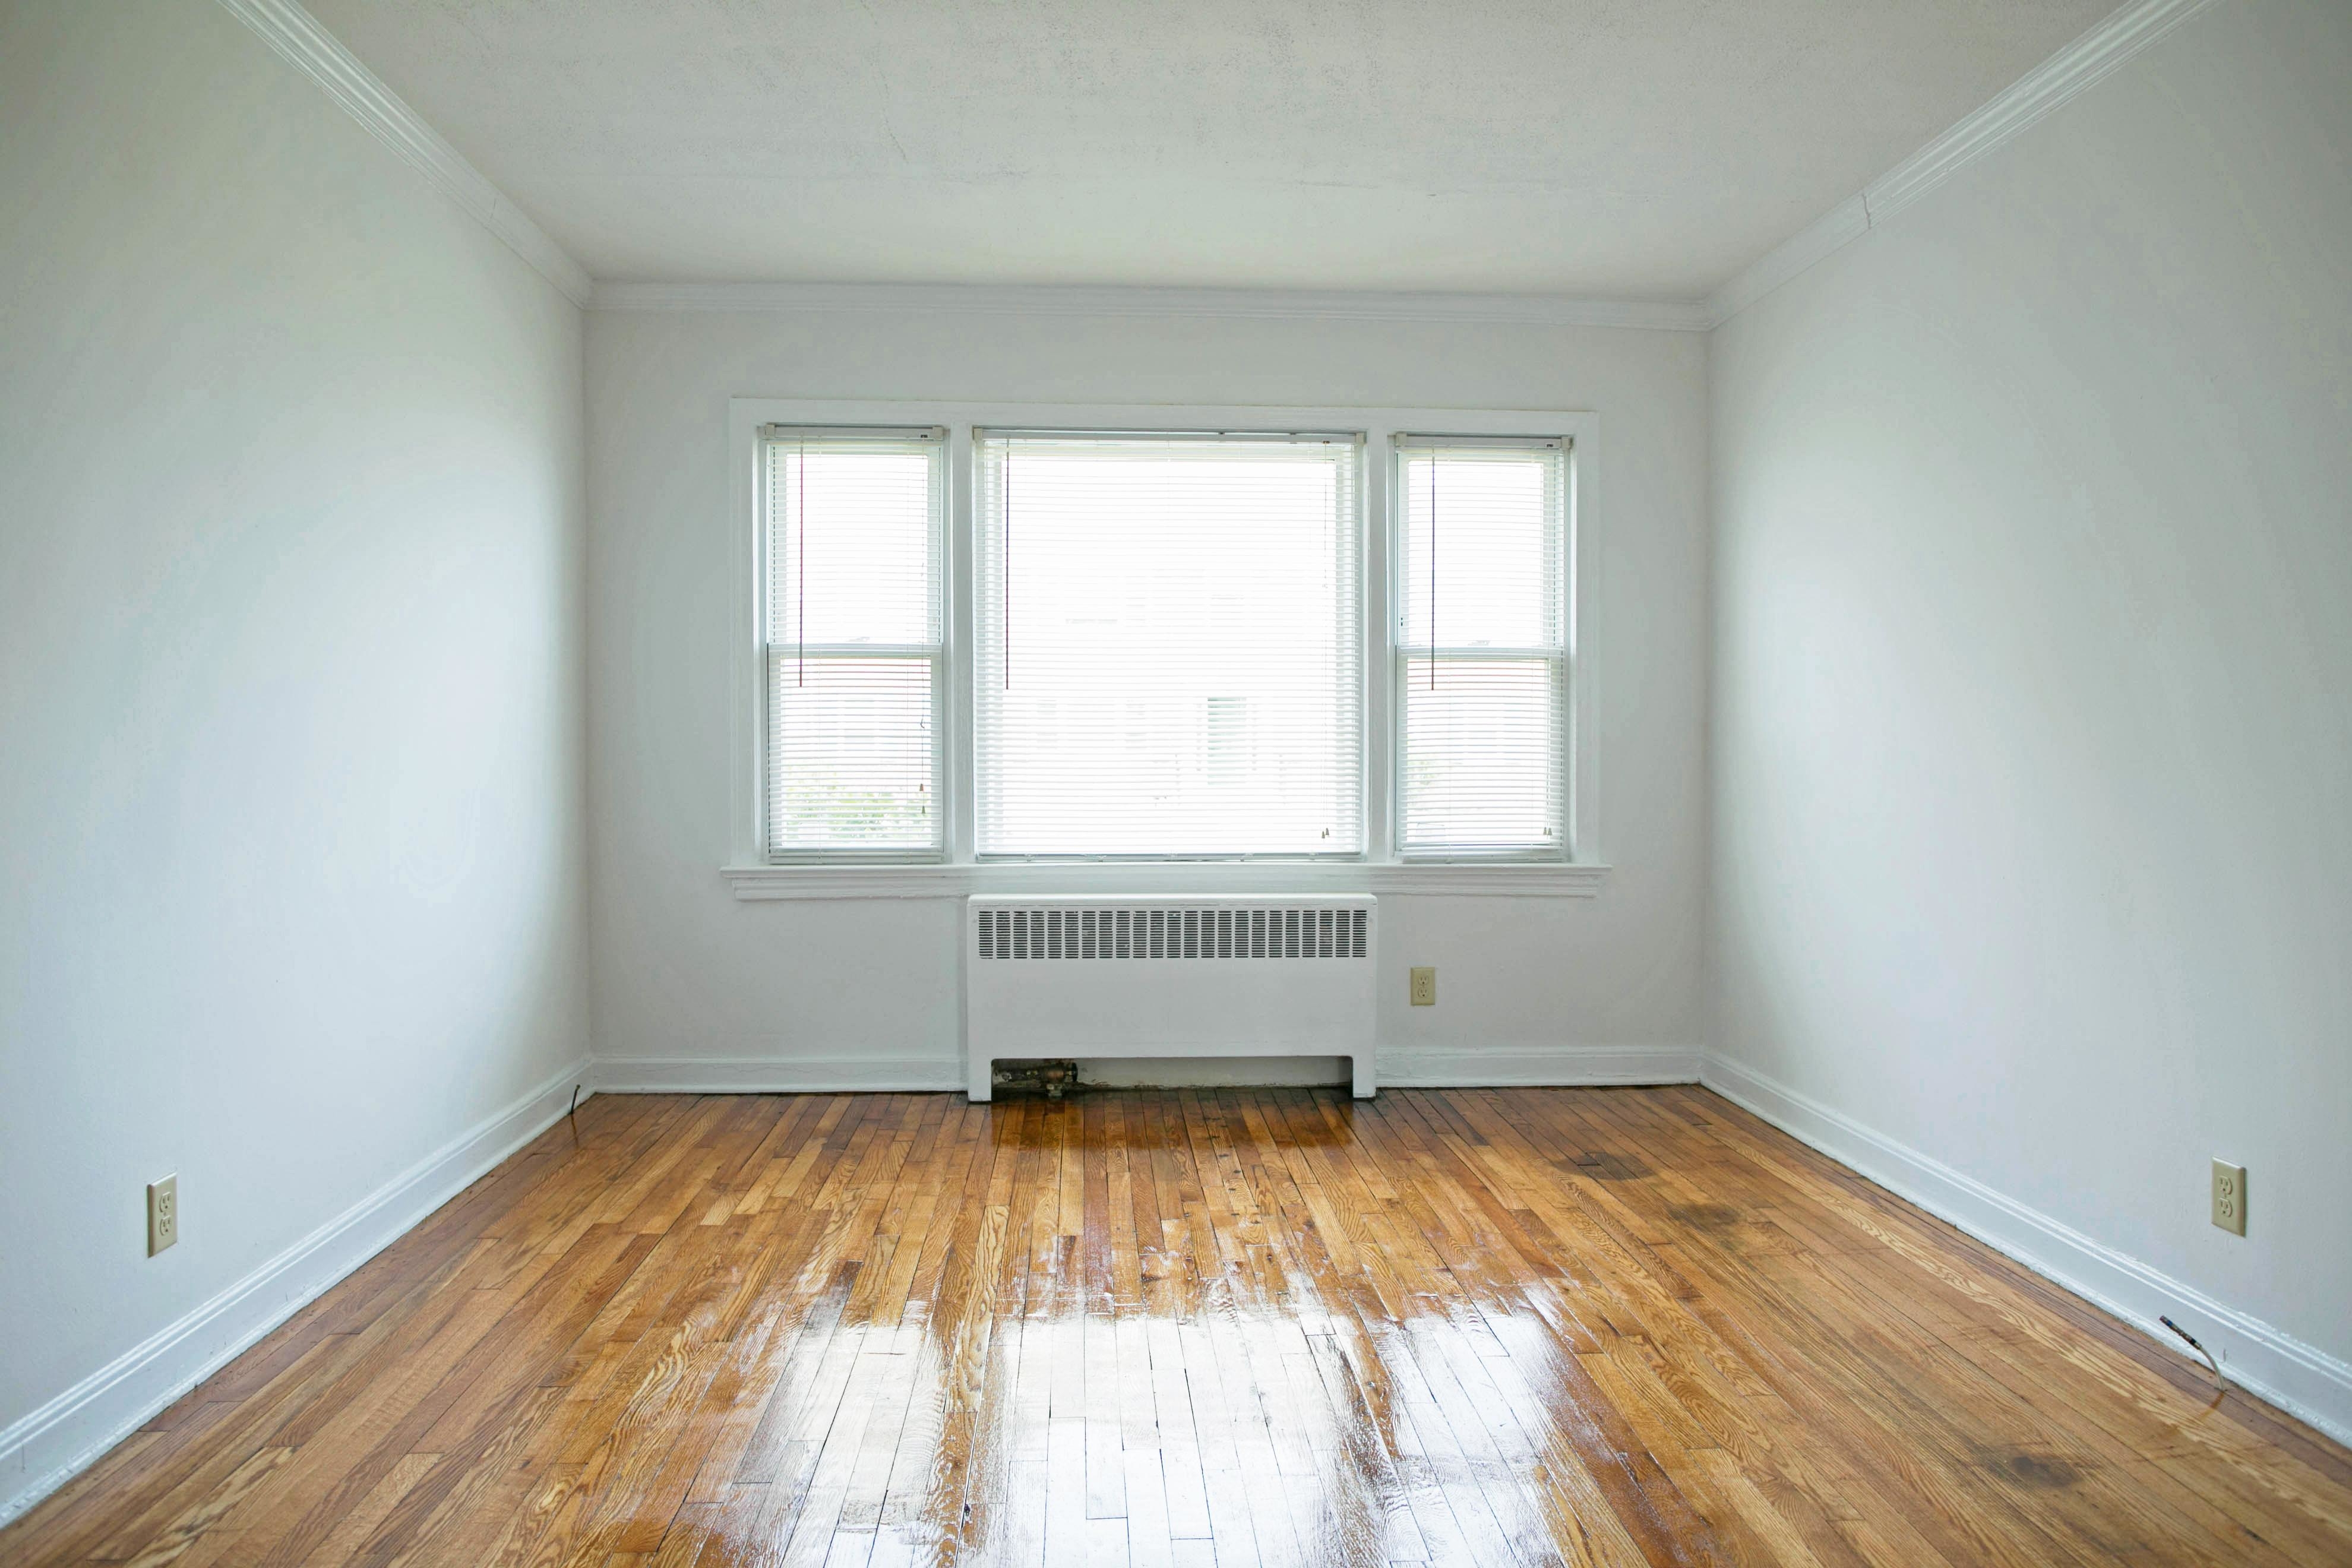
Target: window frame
1352,447
754,874
1401,652
936,655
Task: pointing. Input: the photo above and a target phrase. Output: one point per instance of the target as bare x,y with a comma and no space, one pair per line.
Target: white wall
291,556
843,991
2033,695
2031,745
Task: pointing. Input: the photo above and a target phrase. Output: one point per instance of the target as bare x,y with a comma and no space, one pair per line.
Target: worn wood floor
1196,1329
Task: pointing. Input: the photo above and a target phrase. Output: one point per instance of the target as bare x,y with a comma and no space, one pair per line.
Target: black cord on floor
2200,1350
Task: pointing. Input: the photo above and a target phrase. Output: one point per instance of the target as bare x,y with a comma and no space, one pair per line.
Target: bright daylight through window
1482,656
1162,644
1168,647
853,662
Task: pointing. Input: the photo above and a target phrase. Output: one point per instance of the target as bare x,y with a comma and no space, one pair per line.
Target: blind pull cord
1007,532
802,571
1433,571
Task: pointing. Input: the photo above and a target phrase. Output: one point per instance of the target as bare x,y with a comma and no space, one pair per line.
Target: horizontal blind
1482,651
852,640
1168,647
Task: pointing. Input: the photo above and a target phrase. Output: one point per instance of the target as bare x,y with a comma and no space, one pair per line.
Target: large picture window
1167,657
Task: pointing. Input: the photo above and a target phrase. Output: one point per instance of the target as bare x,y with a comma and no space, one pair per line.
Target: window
1007,647
1169,646
1481,666
852,633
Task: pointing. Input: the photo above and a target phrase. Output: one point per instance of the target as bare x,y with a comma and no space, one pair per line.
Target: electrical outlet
2229,1197
1424,987
162,1213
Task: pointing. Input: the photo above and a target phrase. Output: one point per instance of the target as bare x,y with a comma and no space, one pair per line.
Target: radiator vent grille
1214,933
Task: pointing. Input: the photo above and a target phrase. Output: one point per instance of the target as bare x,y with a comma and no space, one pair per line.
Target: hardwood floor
1196,1329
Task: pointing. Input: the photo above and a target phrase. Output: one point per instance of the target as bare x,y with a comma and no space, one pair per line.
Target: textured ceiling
1642,149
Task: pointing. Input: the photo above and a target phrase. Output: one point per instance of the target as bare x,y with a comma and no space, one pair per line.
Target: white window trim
751,876
1399,655
764,667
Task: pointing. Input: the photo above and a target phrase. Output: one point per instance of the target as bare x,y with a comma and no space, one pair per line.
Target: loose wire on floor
2218,1374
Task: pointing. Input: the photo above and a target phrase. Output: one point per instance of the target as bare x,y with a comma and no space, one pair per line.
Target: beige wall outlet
162,1213
2229,1197
1424,987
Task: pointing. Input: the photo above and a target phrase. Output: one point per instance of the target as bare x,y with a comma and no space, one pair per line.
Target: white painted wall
291,556
842,992
2030,747
2033,692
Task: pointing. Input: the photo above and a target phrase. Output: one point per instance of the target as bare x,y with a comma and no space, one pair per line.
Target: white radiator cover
1186,977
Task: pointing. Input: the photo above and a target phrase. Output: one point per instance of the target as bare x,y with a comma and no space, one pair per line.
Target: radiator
1188,977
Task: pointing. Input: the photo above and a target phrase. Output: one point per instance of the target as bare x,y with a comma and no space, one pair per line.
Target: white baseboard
43,1450
1536,1067
2301,1379
776,1075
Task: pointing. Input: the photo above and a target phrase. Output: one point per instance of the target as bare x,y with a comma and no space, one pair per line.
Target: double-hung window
1169,647
995,635
853,666
1482,647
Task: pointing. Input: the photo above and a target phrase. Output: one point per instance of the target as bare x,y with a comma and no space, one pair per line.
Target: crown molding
318,54
1263,304
2063,76
2044,88
1850,219
297,36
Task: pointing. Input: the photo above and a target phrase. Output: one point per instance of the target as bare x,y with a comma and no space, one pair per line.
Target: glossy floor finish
1179,1330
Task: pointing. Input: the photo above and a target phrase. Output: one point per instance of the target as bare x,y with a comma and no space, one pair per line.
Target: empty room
1253,785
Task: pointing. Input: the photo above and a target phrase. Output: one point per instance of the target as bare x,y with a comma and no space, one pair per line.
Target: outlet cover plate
1424,987
2230,1197
162,1213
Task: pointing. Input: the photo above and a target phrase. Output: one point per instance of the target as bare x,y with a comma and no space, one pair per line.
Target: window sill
759,884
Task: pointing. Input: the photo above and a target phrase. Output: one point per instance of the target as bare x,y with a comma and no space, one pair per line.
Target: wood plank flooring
1196,1329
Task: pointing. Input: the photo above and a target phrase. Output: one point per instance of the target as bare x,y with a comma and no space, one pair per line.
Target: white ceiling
1636,149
